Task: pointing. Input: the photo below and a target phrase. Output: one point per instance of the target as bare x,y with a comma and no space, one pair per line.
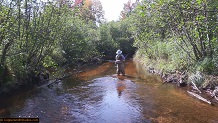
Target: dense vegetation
35,35
177,34
180,34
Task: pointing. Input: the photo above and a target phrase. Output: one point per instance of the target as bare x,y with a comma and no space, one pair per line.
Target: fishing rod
126,55
115,60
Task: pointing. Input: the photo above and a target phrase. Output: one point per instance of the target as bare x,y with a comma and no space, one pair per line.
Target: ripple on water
109,99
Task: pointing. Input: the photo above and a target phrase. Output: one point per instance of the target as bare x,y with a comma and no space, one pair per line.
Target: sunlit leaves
50,36
192,25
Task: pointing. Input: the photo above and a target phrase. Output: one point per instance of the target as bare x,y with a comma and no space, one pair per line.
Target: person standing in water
120,62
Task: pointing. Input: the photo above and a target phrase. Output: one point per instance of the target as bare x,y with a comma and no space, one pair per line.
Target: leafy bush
196,78
207,66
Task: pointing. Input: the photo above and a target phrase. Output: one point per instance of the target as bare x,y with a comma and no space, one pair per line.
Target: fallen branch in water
57,80
195,87
199,97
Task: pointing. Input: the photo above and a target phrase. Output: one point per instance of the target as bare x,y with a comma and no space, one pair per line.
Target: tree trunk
3,59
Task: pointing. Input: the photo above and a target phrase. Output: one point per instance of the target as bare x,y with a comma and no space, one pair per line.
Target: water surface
99,96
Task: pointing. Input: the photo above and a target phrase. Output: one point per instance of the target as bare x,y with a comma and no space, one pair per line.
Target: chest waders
120,65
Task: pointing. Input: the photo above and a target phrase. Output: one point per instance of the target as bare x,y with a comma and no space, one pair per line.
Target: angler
120,63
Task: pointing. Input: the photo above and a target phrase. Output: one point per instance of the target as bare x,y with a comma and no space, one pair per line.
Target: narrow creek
99,96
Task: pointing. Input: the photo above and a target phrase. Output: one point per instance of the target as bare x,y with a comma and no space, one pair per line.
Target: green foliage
197,79
215,59
115,35
18,68
207,66
175,33
33,35
48,62
179,32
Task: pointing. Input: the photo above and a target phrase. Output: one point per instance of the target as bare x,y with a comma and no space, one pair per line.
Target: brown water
99,96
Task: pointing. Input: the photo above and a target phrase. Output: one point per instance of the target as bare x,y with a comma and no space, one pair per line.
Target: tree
128,9
90,10
34,35
191,26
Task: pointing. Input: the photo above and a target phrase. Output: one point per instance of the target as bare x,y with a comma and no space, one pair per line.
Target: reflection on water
101,96
121,85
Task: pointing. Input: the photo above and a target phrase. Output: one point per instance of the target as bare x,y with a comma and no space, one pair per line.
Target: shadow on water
99,95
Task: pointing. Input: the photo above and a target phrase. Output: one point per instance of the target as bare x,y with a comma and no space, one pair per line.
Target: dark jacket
119,59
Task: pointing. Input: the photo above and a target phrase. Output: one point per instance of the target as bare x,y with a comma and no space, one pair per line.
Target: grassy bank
199,81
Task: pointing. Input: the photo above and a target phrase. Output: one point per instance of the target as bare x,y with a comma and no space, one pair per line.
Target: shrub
196,78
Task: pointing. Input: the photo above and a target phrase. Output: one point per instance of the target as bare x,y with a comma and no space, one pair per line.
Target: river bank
201,86
12,88
9,89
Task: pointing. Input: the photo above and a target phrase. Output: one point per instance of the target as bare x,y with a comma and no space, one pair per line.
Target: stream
100,96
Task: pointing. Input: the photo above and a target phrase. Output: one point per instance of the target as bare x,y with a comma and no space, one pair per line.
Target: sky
113,8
